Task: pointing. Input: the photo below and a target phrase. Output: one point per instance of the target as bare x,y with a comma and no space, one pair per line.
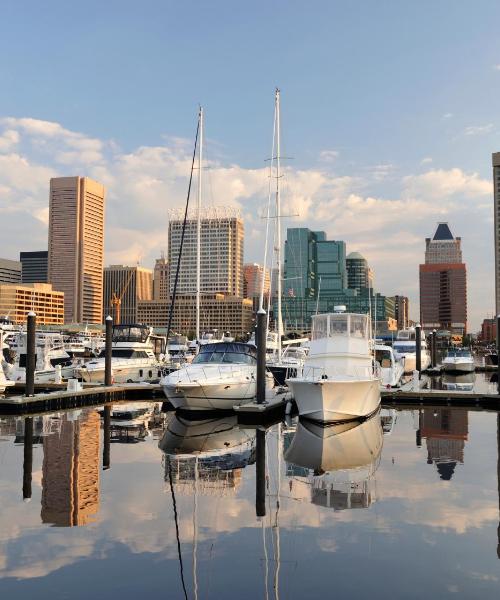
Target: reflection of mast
28,456
276,523
174,504
106,454
195,529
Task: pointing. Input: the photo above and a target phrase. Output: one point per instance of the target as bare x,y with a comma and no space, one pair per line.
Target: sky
389,117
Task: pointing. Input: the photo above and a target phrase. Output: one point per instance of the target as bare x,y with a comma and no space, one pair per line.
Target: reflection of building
213,476
446,430
70,483
342,497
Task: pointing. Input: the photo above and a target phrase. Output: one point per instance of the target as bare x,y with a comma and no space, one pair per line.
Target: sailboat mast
198,229
278,220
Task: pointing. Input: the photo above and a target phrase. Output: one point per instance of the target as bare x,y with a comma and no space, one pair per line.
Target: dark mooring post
30,354
418,348
260,338
106,453
433,348
108,374
260,474
28,457
498,353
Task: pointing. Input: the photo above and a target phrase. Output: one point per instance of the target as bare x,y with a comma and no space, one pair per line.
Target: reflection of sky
421,536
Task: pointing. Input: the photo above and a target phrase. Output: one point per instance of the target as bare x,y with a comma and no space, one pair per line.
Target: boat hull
209,396
330,400
121,374
458,367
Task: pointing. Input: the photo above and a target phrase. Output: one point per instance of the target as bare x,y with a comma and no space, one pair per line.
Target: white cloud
425,161
8,140
478,129
441,184
496,67
328,156
447,115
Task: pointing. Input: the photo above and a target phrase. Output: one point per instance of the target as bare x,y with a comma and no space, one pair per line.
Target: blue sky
390,101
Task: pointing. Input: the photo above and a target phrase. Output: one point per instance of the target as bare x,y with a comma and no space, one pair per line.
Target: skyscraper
252,274
10,271
222,238
76,246
34,266
131,285
496,215
358,272
160,280
443,283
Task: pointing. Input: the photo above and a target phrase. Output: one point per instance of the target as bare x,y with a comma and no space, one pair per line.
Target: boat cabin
226,352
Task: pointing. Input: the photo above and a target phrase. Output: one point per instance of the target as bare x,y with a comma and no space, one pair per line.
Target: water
350,512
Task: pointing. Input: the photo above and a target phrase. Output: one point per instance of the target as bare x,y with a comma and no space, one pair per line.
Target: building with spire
443,283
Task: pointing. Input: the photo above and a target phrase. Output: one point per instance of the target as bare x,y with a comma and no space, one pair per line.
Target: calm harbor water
404,505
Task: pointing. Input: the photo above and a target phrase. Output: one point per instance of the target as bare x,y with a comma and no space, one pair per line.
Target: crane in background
116,300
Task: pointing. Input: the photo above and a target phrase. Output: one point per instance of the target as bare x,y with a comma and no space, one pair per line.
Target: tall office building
160,280
496,215
70,472
443,283
34,266
402,311
359,274
76,246
254,275
18,299
10,271
131,285
222,238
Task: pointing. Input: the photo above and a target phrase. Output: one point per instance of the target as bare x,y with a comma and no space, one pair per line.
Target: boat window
358,326
381,355
319,327
224,357
404,348
338,325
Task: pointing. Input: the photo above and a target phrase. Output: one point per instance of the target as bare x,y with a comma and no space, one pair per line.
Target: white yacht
221,376
391,368
4,382
291,362
405,347
339,380
458,360
133,357
50,353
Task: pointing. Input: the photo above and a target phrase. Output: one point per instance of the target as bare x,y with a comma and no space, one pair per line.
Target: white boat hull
332,399
411,361
121,373
209,396
458,366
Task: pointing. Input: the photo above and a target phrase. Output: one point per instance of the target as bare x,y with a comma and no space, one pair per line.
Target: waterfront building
70,472
161,279
222,236
18,299
130,285
402,311
443,283
34,266
252,283
76,246
218,312
10,271
488,330
496,220
359,274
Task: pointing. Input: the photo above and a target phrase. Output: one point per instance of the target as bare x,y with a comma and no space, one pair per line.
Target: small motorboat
458,360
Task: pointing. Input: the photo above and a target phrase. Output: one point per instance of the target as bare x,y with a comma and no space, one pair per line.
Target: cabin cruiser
391,368
405,347
291,363
52,360
221,376
133,356
458,360
4,382
272,345
339,381
339,462
178,350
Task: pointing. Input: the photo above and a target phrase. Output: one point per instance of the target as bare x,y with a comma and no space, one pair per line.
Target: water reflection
445,431
463,383
336,463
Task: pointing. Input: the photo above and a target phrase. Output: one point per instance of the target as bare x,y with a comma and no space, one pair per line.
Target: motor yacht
339,380
458,360
291,363
133,357
221,376
391,368
405,346
50,353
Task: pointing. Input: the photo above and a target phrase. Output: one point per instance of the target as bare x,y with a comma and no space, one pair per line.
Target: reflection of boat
129,423
388,418
221,375
458,360
338,381
341,460
463,383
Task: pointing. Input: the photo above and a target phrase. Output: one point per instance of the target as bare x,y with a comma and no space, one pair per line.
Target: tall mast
278,219
198,228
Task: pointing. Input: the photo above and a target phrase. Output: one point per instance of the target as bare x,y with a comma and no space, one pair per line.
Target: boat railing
320,373
223,372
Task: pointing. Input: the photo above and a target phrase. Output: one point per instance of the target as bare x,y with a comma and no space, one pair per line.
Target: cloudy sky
388,110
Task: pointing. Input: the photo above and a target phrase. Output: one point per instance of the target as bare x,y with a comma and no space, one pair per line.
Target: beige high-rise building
18,299
76,246
160,279
222,237
131,285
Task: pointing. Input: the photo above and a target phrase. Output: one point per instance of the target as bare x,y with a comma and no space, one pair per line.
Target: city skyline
382,149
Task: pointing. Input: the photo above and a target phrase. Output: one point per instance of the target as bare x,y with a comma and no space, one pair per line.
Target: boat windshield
124,353
459,352
232,353
404,348
130,333
342,324
381,355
